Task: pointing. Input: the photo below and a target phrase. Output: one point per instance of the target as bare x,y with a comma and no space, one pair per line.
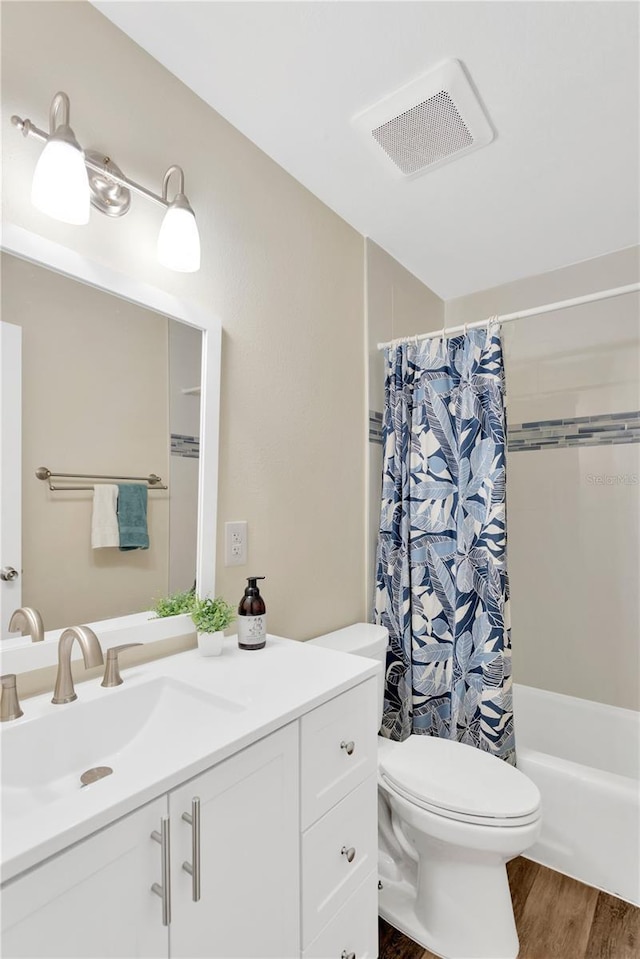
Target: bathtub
584,758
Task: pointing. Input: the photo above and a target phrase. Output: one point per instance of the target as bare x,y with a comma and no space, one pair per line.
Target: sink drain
93,775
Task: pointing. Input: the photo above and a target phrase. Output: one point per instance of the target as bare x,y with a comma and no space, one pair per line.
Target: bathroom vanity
239,819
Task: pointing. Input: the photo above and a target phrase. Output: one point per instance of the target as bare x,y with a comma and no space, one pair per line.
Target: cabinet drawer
353,931
328,877
338,749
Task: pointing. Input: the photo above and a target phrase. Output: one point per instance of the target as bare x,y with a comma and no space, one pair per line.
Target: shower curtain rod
536,311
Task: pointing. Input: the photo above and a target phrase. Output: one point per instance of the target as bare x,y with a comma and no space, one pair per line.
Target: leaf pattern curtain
442,588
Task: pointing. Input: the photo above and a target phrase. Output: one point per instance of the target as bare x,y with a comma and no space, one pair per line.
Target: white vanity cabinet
279,842
95,899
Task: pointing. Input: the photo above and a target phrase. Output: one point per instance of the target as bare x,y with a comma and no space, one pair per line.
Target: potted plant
210,618
175,604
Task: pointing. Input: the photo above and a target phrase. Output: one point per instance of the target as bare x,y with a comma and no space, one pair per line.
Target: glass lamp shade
60,184
179,240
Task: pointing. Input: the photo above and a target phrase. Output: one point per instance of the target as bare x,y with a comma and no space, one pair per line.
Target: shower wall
573,495
396,304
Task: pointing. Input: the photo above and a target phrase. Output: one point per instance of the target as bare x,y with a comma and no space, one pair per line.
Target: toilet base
397,906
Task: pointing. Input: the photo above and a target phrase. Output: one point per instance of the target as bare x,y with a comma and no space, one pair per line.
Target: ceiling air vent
433,120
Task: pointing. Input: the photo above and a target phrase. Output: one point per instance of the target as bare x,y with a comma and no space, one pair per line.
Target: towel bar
153,482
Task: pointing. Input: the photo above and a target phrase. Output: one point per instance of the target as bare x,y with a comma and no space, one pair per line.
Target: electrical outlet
235,543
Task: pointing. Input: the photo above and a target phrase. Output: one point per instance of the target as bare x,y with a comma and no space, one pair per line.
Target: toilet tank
361,639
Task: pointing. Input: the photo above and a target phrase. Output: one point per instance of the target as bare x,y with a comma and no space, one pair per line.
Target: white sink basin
142,731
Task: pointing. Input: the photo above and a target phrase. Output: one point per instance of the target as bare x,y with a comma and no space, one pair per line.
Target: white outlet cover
235,543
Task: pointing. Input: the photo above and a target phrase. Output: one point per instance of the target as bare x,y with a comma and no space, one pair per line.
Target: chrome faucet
91,653
10,704
29,622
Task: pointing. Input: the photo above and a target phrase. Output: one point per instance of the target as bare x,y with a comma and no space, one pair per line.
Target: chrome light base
107,195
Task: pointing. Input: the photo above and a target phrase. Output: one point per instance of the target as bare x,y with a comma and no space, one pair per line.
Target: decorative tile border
375,427
188,446
605,429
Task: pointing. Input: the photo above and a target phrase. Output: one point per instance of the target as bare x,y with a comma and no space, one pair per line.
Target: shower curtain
442,588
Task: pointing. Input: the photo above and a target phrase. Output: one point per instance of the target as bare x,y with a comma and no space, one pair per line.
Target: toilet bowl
449,819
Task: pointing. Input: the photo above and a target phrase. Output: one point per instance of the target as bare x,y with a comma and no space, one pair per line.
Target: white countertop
273,686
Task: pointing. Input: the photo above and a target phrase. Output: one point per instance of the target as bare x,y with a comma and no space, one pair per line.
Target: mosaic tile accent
188,446
604,429
375,427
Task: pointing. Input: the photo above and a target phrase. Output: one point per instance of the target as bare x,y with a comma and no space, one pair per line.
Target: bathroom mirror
120,379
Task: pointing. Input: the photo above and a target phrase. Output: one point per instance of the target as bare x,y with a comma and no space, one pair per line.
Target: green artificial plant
211,615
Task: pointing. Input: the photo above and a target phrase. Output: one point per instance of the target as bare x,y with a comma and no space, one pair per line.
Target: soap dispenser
252,619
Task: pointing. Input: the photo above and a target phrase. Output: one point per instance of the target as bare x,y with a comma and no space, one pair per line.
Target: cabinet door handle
193,867
347,955
164,890
350,853
348,747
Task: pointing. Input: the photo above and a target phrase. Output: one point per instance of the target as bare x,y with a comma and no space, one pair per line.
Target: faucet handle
10,704
112,675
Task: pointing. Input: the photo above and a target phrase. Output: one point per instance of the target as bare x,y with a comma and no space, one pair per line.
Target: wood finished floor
556,917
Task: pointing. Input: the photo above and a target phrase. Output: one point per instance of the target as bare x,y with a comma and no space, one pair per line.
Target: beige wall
573,543
397,304
284,273
94,399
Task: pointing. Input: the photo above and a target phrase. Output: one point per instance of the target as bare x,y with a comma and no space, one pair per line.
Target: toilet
450,817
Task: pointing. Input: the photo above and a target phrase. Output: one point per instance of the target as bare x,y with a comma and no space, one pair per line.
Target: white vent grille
426,133
434,119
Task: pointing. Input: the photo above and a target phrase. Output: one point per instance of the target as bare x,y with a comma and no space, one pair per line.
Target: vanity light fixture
67,180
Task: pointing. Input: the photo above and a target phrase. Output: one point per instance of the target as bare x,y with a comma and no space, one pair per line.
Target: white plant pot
210,644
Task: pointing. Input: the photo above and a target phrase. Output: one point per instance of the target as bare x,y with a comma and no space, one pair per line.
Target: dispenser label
252,630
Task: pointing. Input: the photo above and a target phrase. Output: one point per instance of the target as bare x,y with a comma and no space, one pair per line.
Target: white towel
104,522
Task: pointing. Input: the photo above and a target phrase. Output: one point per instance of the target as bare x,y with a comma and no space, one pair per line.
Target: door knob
349,853
8,573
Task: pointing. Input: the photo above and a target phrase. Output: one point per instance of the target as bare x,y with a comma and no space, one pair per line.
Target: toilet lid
458,780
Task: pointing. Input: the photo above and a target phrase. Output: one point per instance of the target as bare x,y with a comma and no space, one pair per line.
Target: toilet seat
459,782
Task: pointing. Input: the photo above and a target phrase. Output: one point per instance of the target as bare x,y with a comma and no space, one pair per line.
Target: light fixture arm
165,183
59,102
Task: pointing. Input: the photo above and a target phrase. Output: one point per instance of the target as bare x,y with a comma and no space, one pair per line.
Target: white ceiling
559,82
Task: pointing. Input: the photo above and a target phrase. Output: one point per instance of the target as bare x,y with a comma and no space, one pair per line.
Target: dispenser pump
252,619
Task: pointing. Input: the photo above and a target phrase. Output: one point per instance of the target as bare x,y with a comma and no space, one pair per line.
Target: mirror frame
21,654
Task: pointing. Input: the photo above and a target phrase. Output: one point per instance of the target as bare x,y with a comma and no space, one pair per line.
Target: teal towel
132,516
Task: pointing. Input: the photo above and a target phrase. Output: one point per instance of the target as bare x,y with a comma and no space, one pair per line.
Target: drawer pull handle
348,747
350,853
347,955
